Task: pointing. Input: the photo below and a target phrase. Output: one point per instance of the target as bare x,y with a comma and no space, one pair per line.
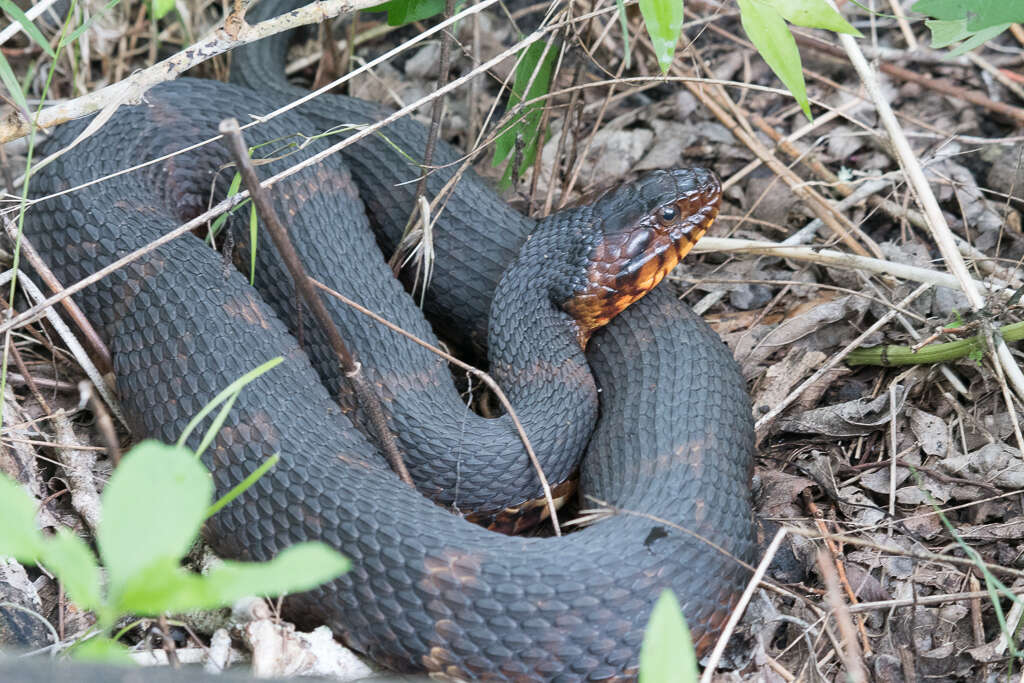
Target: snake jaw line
630,261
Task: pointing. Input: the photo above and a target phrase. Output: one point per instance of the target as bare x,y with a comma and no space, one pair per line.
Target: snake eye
667,214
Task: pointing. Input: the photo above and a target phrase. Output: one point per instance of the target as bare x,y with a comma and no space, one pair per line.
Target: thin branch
716,654
40,307
839,259
939,85
91,337
232,32
479,374
34,11
367,398
851,654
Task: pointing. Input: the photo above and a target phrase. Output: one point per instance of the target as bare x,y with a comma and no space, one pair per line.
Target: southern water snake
428,590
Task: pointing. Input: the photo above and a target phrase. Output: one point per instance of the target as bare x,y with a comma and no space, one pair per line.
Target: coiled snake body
428,591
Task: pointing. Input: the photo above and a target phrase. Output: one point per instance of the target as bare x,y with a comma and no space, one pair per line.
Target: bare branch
232,32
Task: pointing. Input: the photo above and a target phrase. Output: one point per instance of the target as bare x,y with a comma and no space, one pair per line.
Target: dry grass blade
69,339
716,654
851,653
831,257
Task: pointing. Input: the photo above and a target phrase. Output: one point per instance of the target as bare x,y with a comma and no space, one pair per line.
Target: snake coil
428,591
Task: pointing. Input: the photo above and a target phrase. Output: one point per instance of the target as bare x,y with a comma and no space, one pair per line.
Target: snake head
637,234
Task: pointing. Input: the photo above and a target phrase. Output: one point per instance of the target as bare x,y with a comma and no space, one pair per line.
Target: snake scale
672,448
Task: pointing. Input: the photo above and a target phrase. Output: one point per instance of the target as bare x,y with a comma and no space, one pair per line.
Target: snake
656,400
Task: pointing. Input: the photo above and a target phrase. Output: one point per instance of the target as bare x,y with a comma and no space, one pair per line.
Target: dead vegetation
900,489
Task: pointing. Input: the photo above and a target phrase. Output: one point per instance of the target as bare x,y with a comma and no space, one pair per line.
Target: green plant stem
240,488
932,353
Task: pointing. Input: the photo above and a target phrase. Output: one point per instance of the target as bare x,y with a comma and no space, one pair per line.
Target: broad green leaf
10,82
26,24
990,13
19,534
973,21
301,567
166,587
163,586
67,556
947,31
153,507
160,8
770,35
527,126
814,14
667,655
947,10
977,39
228,394
402,12
664,21
102,649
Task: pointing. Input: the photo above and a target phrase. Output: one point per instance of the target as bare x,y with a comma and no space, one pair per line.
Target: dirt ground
895,492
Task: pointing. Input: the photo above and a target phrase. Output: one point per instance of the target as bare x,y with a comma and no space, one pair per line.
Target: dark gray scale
428,591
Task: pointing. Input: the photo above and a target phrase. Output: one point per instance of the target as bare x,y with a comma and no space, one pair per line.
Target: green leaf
975,22
68,556
26,24
153,507
977,15
160,8
667,655
814,14
19,534
947,31
664,21
166,587
162,586
10,82
991,13
977,40
102,649
229,394
527,126
402,12
770,35
947,10
301,567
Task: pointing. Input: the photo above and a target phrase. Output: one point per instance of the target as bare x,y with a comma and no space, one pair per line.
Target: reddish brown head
643,230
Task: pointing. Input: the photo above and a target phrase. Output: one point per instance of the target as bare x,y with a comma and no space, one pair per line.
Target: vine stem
932,353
